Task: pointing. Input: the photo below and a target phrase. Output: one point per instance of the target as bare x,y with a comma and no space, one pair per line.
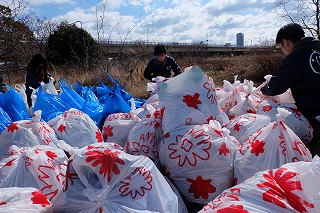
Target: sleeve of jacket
32,81
175,67
46,78
286,76
148,71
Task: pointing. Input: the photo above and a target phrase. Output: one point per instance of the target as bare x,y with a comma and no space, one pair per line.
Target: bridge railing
152,43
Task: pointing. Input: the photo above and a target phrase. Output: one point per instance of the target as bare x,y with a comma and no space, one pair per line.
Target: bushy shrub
70,46
264,63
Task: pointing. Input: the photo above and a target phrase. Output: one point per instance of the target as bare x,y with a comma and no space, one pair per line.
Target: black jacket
300,71
156,68
34,81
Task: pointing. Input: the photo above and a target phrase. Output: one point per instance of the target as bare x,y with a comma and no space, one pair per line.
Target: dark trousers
314,144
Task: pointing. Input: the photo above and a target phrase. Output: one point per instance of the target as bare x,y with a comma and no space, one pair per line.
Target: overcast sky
217,21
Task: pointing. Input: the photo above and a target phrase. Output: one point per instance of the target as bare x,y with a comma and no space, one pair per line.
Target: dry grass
128,70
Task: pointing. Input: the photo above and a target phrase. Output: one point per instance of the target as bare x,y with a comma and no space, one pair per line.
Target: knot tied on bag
37,116
282,114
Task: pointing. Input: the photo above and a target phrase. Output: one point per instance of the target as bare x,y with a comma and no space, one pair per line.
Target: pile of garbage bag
189,147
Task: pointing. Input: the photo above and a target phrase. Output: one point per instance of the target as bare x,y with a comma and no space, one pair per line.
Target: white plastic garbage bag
153,101
295,121
145,136
117,126
27,133
232,98
49,87
247,105
243,126
198,159
104,179
76,128
22,91
294,187
189,99
269,148
41,167
26,199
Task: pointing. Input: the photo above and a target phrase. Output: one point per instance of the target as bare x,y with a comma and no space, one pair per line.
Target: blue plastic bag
138,102
69,95
50,105
93,108
103,92
115,104
88,104
5,120
12,103
119,89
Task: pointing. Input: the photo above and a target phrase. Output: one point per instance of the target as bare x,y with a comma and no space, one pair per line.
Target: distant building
240,39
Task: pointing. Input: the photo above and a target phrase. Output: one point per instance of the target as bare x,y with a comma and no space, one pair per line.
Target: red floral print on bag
233,208
231,197
237,126
13,127
9,163
192,101
200,187
223,150
45,178
62,128
107,131
280,189
257,147
211,92
51,155
186,150
107,161
99,136
39,198
130,187
266,108
145,146
68,177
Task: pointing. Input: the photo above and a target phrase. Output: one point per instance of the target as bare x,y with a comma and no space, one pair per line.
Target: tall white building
240,39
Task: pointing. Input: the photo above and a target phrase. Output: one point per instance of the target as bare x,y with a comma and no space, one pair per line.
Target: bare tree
41,28
304,12
16,39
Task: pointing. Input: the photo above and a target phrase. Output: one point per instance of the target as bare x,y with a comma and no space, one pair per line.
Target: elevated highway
115,47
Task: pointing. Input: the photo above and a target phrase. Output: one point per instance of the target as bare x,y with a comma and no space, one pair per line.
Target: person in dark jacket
299,71
3,88
161,64
37,72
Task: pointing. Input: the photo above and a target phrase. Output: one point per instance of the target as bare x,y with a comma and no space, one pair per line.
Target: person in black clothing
299,71
2,86
37,71
161,64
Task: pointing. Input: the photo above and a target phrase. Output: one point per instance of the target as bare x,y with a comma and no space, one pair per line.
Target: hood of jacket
307,43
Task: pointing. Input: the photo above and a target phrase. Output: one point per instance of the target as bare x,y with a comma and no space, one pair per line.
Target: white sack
76,128
243,126
41,167
26,199
144,137
294,187
116,127
189,99
199,160
27,133
269,148
295,121
104,179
